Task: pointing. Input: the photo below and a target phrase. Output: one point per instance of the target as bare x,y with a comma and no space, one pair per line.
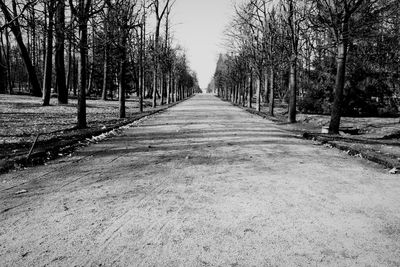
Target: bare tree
295,15
159,12
336,15
48,69
12,19
60,50
82,12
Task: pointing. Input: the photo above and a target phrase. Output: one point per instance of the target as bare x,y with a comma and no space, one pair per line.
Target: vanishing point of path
202,184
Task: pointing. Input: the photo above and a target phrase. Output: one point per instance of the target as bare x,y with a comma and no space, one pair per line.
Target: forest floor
374,138
23,118
202,184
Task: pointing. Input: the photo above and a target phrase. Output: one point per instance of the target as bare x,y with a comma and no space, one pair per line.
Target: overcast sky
198,26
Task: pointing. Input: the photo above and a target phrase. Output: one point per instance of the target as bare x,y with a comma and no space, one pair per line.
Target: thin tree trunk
81,116
91,64
156,67
122,89
272,93
59,57
48,69
8,48
292,90
259,85
293,61
142,70
168,89
250,92
3,67
105,72
70,61
162,87
122,74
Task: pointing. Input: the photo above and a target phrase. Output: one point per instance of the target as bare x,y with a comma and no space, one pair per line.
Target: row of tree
336,56
97,48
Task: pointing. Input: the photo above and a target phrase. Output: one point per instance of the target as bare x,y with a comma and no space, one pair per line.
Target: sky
198,26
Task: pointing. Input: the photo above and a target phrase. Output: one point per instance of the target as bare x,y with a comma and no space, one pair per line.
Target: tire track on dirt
57,168
119,225
153,234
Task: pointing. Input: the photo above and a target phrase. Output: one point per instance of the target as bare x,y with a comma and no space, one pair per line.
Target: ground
23,117
202,184
376,138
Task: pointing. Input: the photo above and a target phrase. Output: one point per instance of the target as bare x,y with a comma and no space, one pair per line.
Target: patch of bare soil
374,138
23,120
202,184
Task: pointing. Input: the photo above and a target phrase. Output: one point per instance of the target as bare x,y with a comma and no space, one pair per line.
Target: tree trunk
3,68
168,89
162,89
105,71
250,92
106,56
122,89
266,87
259,85
83,32
48,69
122,74
8,49
59,57
142,71
292,89
16,30
157,64
272,93
339,86
69,71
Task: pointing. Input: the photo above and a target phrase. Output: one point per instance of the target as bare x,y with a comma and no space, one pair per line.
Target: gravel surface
202,184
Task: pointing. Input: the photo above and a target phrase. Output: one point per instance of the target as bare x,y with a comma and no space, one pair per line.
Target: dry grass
23,117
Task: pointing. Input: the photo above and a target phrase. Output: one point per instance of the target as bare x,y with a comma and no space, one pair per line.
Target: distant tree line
338,57
107,49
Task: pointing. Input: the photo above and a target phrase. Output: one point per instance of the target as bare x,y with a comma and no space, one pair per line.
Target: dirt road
203,184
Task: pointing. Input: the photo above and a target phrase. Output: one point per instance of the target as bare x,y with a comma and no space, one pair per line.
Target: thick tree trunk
59,57
339,86
292,89
48,69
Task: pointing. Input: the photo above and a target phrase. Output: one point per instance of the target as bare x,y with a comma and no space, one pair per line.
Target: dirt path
203,184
